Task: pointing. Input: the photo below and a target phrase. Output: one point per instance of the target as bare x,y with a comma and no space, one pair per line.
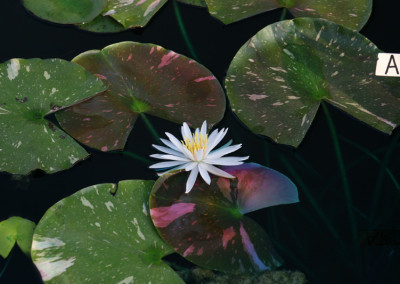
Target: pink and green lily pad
102,234
200,3
278,79
31,89
352,14
141,79
207,225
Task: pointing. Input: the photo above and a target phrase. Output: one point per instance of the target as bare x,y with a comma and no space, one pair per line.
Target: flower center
196,142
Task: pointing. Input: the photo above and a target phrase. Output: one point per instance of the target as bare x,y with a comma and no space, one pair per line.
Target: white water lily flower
194,153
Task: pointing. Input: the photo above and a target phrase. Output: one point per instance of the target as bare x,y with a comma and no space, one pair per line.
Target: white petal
227,161
190,166
223,151
186,133
166,164
172,169
192,179
168,151
179,145
170,145
212,136
199,155
204,129
204,174
217,139
217,172
170,157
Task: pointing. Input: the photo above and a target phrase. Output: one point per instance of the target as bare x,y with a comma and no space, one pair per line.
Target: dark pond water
302,237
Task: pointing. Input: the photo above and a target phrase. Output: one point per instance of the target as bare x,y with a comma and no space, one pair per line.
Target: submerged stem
150,126
137,157
283,15
183,31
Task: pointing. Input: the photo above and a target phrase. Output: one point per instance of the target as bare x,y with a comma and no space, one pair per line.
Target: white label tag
388,64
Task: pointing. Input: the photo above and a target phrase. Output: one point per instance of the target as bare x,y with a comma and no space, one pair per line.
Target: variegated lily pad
16,230
131,13
102,234
353,14
142,78
30,89
200,3
278,79
207,225
66,11
102,24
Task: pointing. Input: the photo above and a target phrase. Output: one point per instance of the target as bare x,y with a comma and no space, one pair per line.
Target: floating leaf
201,3
102,24
16,230
131,13
353,14
278,79
207,225
142,78
30,90
66,11
102,234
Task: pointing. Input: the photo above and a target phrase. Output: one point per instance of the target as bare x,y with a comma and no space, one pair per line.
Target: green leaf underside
30,89
277,80
352,14
16,230
66,11
200,3
94,236
142,78
207,225
102,24
131,13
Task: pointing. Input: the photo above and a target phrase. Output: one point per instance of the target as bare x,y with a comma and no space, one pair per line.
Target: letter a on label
388,64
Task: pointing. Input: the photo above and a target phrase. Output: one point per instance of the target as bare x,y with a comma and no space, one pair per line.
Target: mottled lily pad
102,24
102,234
131,13
200,3
278,79
352,14
16,230
30,89
207,225
142,78
66,11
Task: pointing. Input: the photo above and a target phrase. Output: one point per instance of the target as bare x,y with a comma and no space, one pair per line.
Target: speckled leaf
30,89
277,80
102,234
207,225
201,3
16,230
352,14
66,11
102,24
133,13
142,78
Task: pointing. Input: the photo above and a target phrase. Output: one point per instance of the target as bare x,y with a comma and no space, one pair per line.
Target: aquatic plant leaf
201,3
142,78
277,80
16,230
102,234
66,11
102,24
207,225
352,14
131,13
30,89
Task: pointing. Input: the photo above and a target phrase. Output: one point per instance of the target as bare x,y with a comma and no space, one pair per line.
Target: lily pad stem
283,15
150,126
6,264
183,31
137,157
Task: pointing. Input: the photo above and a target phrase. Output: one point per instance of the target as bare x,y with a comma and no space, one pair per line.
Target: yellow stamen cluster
196,142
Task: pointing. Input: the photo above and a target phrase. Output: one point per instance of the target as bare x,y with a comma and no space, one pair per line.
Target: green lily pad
131,13
66,11
277,80
352,14
102,234
102,24
142,78
30,90
207,225
16,230
200,3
